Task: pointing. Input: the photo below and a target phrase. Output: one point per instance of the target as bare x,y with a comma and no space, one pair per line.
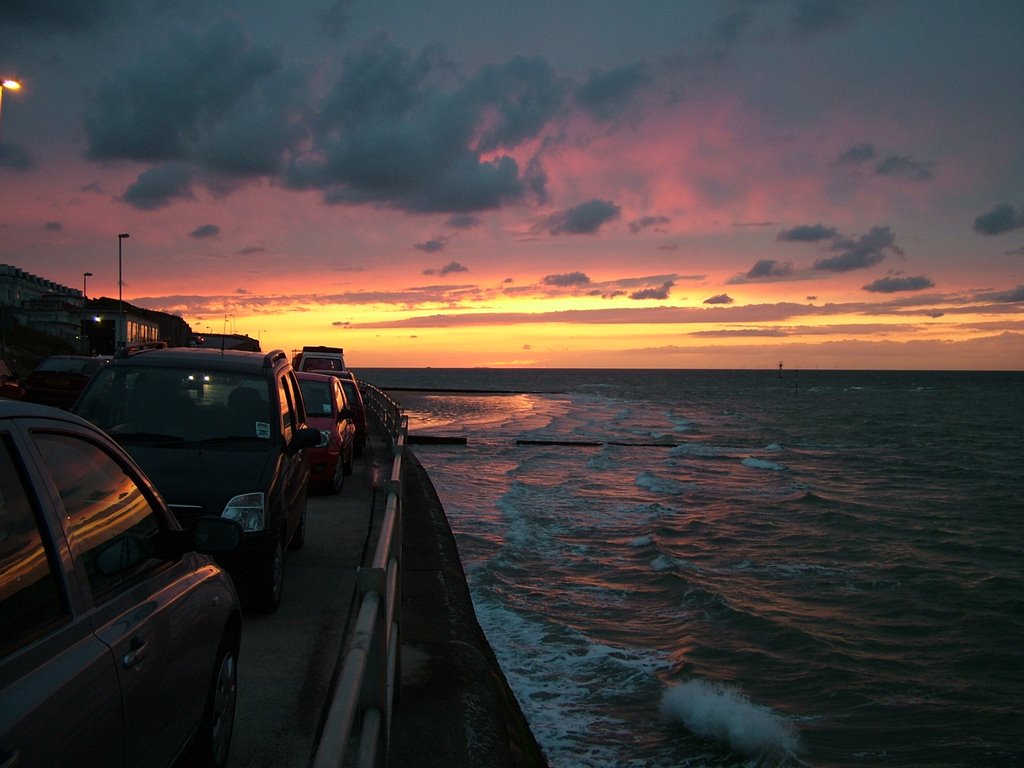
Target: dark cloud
807,233
814,17
864,251
15,157
180,102
645,222
583,219
567,279
1016,252
1000,220
523,94
205,231
387,134
899,284
661,292
606,95
450,268
463,221
770,268
334,20
1012,296
721,298
732,24
857,154
57,15
159,186
432,246
905,167
53,226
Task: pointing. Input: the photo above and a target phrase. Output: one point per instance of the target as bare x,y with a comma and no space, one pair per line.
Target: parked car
320,359
10,386
120,637
354,396
60,379
330,462
220,433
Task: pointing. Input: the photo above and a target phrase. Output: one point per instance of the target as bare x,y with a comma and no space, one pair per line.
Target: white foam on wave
642,541
557,672
719,712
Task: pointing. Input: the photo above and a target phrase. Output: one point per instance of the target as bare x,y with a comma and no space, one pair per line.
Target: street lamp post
122,329
10,85
85,284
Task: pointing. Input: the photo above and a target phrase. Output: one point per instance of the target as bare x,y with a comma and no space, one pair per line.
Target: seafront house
90,326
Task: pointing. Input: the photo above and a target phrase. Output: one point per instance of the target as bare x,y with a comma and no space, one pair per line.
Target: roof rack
141,346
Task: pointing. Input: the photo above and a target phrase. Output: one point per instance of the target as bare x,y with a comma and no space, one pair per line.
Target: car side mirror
213,535
308,437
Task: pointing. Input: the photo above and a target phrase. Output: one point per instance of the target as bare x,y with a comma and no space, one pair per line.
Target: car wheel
213,740
339,475
272,578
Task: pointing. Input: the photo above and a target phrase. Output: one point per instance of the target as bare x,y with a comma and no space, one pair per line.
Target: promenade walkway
454,706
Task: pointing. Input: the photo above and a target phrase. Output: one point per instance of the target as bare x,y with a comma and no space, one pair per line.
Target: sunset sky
592,183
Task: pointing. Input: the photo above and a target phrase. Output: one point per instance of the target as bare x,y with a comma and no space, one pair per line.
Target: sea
743,567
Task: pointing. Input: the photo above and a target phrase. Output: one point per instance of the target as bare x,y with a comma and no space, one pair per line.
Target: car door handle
136,653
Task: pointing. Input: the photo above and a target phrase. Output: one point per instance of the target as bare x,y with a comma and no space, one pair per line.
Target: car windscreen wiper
153,437
232,439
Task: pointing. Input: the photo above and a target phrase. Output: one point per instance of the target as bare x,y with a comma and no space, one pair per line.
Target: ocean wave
753,463
651,482
722,713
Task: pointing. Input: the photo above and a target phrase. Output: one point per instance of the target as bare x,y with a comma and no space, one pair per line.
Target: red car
60,379
328,410
355,402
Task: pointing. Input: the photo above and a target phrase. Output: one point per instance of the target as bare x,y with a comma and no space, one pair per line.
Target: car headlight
325,438
248,510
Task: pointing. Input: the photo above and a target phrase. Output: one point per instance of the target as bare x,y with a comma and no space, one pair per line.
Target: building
90,326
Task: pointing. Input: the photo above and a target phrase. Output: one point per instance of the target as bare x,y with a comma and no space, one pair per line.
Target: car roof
222,359
16,409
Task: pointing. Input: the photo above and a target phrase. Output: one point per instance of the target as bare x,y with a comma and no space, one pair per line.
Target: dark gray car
118,639
219,433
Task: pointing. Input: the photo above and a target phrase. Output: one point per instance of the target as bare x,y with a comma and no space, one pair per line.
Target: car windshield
317,397
322,364
178,404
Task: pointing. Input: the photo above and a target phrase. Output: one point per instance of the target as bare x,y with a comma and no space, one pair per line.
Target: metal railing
370,674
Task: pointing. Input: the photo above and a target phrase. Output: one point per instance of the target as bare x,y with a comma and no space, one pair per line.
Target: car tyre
213,740
272,583
338,478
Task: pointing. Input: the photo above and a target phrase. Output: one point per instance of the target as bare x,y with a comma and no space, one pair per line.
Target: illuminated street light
122,329
10,85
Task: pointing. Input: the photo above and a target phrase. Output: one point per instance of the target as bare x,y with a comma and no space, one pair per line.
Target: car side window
112,526
290,414
31,599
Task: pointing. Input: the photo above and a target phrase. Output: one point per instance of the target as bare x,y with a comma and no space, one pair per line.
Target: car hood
206,477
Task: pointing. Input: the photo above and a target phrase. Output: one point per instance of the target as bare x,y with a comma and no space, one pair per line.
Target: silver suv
320,360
